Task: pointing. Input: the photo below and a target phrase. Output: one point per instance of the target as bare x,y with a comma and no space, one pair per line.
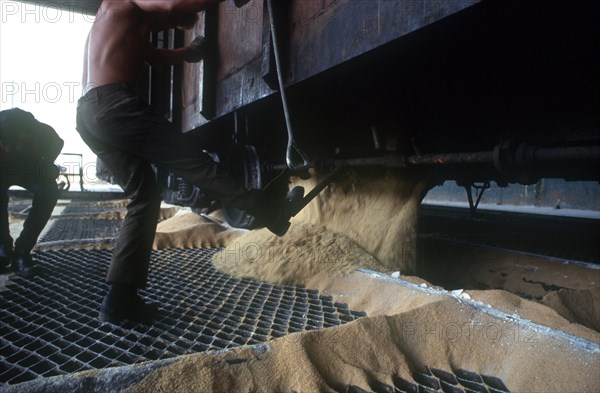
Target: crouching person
28,149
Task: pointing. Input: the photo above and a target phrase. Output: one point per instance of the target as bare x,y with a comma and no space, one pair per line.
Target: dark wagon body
481,90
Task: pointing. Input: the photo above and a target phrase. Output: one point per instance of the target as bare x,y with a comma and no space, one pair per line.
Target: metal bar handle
292,146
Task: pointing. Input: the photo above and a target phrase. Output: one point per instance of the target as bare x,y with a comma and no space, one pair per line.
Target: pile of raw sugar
416,331
375,209
190,230
306,251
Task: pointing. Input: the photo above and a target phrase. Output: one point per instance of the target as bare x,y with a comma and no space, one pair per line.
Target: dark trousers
128,135
41,181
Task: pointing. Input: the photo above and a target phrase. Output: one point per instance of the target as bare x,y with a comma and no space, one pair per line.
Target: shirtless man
128,135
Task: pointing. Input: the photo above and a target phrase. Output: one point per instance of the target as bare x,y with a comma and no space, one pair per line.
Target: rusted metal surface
452,158
322,34
394,160
328,32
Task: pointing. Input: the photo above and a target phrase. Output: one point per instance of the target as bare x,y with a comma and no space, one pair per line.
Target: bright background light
41,60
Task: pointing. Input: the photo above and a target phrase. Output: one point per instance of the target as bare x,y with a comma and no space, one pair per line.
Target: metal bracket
479,190
268,69
328,179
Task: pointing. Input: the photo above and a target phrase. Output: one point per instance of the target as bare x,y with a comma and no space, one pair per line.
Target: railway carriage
475,91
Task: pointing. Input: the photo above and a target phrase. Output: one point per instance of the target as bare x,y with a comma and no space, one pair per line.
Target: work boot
22,264
5,257
122,302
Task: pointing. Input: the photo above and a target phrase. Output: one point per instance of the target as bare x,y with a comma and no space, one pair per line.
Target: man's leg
115,117
178,154
6,241
128,269
158,141
131,254
45,195
107,133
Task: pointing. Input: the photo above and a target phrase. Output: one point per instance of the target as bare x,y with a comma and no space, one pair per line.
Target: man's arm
172,6
192,53
165,57
53,150
47,142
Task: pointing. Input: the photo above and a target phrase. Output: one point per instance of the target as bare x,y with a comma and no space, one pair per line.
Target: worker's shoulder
16,121
114,9
14,118
114,17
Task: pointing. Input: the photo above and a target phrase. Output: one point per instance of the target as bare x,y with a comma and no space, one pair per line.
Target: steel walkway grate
77,229
49,326
91,208
19,207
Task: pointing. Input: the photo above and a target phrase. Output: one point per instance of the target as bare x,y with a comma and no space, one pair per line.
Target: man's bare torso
116,45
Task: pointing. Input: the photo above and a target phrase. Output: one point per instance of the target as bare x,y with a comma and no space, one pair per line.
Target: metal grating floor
91,208
18,207
77,229
49,325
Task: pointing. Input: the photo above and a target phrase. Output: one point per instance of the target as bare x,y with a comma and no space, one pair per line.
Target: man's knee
50,172
48,192
156,195
150,195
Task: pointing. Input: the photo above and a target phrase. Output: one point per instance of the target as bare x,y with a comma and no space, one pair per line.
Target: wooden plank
318,35
192,88
240,36
342,29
